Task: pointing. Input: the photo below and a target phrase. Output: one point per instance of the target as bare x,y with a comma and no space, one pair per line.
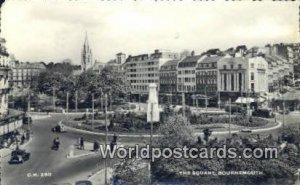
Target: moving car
19,156
60,128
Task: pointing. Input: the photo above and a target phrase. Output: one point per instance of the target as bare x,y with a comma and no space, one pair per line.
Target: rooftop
211,59
189,61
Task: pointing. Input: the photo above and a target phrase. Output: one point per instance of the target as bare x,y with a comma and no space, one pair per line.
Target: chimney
193,53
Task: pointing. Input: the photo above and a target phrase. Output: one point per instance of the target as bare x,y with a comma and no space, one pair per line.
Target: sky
54,30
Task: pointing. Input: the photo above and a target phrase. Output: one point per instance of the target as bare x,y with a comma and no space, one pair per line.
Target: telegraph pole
106,139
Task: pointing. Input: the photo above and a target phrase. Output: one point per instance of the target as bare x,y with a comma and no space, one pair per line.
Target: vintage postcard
134,92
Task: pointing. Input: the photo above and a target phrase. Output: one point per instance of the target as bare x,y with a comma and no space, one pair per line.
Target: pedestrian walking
81,143
96,146
22,139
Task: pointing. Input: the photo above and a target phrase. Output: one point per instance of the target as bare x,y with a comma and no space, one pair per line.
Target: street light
106,139
92,111
53,98
76,101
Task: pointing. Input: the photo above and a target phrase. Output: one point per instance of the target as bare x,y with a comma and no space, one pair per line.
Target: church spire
86,43
87,61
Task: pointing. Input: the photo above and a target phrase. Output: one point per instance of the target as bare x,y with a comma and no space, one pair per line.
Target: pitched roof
190,60
171,63
234,59
211,59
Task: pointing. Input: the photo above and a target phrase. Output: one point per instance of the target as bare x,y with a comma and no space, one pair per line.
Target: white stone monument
152,108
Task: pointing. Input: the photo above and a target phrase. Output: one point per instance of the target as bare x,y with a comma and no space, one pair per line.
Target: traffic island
75,151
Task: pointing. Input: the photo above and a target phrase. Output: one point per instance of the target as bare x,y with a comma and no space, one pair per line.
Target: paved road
63,170
45,160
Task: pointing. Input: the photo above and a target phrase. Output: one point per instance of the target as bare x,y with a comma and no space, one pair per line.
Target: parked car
27,119
284,112
234,108
265,113
246,130
19,156
121,110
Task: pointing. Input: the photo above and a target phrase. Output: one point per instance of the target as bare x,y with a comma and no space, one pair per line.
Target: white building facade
238,75
142,70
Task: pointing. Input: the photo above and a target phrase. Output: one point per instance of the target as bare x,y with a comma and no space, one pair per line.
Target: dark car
83,182
265,113
59,128
27,120
19,156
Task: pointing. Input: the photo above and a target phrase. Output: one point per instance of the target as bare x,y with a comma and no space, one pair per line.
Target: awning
244,100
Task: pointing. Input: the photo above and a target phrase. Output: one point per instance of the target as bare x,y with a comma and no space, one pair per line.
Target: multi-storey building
278,66
25,73
186,74
141,70
168,77
206,75
240,75
4,73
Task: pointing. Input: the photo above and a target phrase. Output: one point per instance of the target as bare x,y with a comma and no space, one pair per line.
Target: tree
176,132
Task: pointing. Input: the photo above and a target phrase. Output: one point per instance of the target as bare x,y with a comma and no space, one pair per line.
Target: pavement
63,170
99,177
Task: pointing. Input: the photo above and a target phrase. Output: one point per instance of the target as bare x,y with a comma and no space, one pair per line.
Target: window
240,66
252,65
224,66
240,81
231,66
252,87
252,76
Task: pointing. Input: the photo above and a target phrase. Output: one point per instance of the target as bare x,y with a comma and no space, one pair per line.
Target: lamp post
76,101
28,111
106,138
93,110
67,105
206,100
219,100
229,117
283,107
183,104
53,98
